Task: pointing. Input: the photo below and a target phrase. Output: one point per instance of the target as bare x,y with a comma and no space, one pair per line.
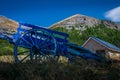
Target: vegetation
5,48
82,70
100,31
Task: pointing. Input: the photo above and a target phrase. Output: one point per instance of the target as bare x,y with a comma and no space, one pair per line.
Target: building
102,48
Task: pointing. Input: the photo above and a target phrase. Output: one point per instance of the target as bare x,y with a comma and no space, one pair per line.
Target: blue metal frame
39,43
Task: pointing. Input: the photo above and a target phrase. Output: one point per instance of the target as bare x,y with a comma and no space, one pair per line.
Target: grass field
83,70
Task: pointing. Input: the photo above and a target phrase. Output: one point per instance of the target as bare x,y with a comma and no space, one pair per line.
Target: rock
111,24
7,26
80,21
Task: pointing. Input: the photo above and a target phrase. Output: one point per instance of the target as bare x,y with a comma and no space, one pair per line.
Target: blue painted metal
6,37
82,52
40,44
29,26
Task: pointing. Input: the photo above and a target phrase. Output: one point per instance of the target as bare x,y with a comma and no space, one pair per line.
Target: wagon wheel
36,45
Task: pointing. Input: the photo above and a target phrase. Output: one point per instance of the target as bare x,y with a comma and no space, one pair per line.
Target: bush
100,31
5,48
57,71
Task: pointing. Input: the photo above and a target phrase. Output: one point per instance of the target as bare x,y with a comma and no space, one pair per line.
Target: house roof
104,43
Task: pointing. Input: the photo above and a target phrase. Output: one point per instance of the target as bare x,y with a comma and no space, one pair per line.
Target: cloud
113,14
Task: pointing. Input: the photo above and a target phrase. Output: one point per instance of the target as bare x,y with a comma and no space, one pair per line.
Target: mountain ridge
7,26
79,20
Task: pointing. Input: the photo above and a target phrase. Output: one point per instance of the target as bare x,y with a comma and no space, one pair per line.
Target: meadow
62,70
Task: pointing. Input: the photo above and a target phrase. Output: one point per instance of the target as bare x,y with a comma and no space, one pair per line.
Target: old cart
41,44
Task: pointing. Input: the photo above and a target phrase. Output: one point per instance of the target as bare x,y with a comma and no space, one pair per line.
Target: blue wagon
41,44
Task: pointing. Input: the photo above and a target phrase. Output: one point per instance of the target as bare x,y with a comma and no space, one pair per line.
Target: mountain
7,26
111,24
80,21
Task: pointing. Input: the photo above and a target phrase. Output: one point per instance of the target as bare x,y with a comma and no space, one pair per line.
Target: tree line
100,31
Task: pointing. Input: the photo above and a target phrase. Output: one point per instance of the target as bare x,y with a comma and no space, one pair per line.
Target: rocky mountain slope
7,26
80,21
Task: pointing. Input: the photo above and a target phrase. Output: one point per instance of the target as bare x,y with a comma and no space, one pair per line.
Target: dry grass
82,70
7,59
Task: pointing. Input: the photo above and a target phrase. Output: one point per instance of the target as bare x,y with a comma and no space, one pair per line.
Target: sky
48,12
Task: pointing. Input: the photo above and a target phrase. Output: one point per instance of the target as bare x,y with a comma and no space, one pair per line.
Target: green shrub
5,48
100,31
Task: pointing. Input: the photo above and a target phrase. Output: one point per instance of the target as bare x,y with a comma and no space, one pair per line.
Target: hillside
80,21
80,70
7,25
100,31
